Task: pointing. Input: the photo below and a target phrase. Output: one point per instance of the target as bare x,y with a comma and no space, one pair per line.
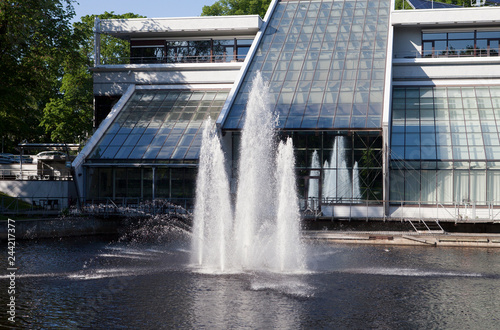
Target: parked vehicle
51,155
7,159
26,159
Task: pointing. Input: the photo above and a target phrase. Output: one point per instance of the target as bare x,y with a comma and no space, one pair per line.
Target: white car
51,155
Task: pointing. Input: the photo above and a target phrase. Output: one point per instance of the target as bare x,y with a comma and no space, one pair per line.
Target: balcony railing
35,175
174,59
447,53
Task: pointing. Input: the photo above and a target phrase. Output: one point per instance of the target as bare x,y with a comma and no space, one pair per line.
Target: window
455,128
460,43
211,50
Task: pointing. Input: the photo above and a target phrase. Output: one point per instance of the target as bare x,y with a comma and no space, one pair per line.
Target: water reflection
97,284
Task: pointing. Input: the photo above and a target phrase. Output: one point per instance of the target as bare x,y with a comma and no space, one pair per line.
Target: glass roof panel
325,43
157,125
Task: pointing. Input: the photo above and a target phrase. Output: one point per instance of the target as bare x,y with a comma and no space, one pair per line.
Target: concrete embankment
438,239
61,227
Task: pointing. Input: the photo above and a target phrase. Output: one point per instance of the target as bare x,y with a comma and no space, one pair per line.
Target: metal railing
33,205
174,59
126,206
34,175
457,212
447,53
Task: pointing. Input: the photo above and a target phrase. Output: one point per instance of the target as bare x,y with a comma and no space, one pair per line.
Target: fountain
356,188
213,212
263,233
337,183
313,189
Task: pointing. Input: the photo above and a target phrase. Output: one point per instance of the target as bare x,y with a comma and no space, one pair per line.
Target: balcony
448,53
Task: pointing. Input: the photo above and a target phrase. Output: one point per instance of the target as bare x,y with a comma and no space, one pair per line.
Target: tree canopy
68,115
46,90
35,38
237,7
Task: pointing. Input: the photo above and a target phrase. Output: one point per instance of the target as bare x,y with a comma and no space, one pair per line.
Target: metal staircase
429,227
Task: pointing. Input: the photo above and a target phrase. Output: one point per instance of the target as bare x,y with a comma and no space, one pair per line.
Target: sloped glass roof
325,61
156,125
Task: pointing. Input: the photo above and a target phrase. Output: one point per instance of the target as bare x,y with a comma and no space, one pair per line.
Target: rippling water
102,284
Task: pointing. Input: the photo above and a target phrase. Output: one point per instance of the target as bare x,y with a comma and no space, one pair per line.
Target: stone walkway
438,239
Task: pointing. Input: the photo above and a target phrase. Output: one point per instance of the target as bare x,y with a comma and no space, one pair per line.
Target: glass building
393,113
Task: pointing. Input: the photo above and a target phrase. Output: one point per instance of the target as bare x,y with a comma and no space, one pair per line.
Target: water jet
263,232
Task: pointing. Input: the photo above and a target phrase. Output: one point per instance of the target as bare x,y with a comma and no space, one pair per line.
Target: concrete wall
353,211
115,79
36,191
407,42
459,213
64,227
447,68
446,17
215,25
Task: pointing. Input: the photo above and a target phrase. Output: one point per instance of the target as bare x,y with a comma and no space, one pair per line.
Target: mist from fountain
264,233
213,212
344,186
313,189
337,184
356,188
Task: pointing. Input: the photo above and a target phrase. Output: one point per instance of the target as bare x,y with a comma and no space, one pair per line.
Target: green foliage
113,50
10,203
68,116
237,7
46,85
35,37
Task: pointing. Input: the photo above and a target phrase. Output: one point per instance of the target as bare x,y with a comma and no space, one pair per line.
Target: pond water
102,283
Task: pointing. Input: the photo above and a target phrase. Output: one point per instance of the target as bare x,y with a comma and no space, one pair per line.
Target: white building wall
407,42
39,191
447,68
183,25
114,80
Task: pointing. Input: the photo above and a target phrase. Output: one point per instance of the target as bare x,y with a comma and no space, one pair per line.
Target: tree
35,38
68,115
237,7
113,50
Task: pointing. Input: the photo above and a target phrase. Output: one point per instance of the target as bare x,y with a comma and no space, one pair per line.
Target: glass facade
191,51
325,63
149,151
460,43
141,183
207,50
445,145
334,167
159,125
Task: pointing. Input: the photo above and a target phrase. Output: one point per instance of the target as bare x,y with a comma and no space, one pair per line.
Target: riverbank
26,229
436,239
91,225
350,232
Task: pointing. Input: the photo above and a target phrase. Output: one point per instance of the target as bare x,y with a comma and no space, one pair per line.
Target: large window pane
493,187
444,189
477,186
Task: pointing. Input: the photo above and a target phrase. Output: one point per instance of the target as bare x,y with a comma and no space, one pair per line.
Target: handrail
173,59
446,53
106,206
